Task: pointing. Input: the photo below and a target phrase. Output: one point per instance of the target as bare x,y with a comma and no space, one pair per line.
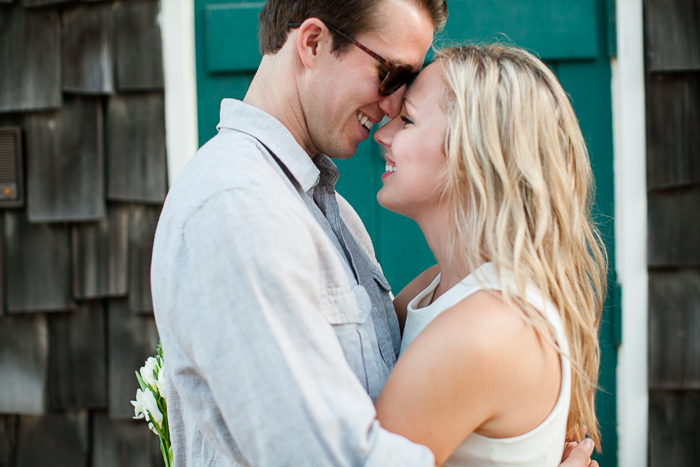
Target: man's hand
578,454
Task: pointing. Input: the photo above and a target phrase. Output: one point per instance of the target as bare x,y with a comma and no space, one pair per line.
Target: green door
574,37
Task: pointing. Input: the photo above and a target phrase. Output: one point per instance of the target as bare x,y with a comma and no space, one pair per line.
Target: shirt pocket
347,311
348,305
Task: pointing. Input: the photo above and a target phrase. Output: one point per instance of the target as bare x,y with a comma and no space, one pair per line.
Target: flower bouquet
150,403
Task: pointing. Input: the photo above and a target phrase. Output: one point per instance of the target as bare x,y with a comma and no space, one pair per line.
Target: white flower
144,404
147,372
161,382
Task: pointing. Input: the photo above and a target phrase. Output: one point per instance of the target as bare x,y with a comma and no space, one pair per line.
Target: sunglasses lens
395,79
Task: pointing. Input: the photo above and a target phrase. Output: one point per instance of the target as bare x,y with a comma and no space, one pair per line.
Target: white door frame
181,131
629,129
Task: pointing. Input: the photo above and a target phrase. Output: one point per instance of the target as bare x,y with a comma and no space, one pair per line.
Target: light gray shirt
271,308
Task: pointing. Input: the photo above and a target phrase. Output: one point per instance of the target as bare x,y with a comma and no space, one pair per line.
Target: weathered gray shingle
24,347
136,164
674,228
8,439
132,339
138,46
37,265
65,166
672,30
29,59
674,329
78,358
673,123
142,227
123,442
674,430
87,49
59,439
100,255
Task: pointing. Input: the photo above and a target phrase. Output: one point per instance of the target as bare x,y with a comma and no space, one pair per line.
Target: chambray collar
239,116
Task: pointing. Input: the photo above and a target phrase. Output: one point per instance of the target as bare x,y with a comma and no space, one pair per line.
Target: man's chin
343,153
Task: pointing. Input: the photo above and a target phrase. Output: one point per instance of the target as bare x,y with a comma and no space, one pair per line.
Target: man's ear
313,39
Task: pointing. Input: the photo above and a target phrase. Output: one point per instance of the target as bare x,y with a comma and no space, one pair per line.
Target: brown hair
350,16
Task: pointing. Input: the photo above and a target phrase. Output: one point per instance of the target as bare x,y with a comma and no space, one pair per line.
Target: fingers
580,455
568,447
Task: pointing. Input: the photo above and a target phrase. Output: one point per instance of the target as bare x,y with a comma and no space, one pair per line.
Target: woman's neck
436,227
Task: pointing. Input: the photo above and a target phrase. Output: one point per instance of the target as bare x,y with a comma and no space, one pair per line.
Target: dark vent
11,186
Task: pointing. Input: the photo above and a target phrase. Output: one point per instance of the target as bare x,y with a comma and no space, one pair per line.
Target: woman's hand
578,454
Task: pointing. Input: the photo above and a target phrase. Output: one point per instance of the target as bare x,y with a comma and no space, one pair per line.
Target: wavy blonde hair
520,192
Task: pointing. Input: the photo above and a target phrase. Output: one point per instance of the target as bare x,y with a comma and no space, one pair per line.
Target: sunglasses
396,75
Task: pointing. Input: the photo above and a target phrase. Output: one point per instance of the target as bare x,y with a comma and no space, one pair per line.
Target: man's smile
364,120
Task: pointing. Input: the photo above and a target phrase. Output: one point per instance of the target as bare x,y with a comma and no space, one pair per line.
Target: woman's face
415,149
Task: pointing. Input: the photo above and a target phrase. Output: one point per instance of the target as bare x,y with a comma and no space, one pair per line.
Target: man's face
343,101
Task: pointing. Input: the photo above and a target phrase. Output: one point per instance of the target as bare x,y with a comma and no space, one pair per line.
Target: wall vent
11,174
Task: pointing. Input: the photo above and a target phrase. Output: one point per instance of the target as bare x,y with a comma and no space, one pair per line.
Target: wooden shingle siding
8,439
136,167
83,81
78,358
37,265
87,49
674,430
142,226
132,339
672,30
65,163
29,59
673,129
54,439
123,442
138,46
24,347
674,329
100,255
674,227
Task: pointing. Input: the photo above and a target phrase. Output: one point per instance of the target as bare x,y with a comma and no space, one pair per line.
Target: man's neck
274,90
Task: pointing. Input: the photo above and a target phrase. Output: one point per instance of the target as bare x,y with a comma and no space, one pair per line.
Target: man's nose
391,104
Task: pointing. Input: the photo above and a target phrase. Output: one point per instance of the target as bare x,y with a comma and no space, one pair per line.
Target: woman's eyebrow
406,101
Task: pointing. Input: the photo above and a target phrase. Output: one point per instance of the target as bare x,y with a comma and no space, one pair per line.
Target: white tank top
540,447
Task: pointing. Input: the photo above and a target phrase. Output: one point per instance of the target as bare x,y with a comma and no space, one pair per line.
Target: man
275,318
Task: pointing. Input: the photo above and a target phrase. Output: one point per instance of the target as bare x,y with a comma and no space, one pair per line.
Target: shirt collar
239,116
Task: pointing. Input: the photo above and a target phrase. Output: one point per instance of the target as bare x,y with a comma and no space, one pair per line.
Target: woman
487,157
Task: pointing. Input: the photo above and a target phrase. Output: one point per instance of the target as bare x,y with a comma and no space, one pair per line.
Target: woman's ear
313,38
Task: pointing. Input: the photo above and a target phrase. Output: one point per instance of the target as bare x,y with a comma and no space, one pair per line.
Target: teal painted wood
574,38
554,29
232,37
212,87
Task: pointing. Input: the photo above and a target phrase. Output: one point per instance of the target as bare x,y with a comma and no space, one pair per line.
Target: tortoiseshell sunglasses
396,75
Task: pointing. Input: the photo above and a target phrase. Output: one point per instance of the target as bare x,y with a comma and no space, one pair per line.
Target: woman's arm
409,292
477,367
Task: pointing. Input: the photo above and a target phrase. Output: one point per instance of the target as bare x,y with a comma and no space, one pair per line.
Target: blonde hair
520,192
